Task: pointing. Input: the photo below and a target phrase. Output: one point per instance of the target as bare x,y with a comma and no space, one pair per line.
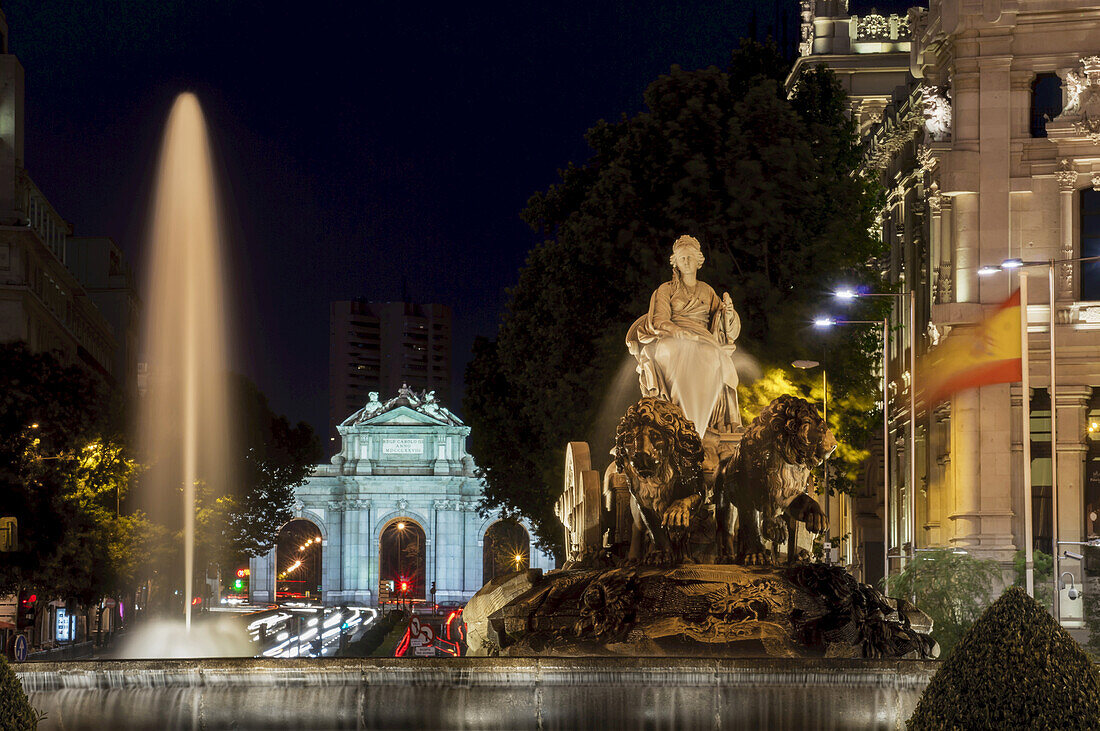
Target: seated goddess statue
685,342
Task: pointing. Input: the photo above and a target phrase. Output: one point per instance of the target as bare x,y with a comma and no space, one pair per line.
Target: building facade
991,151
402,465
42,302
382,346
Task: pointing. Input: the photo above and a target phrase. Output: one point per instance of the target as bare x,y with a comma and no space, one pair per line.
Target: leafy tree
1042,578
765,182
951,588
64,475
273,458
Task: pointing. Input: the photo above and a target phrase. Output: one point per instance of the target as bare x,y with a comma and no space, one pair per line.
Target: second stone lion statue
768,480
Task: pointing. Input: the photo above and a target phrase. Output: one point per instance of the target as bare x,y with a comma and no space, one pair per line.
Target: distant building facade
382,346
990,150
108,281
403,467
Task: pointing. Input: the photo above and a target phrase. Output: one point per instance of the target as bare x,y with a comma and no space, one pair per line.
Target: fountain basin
478,693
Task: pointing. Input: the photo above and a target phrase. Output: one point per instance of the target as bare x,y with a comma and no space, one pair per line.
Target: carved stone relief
1083,99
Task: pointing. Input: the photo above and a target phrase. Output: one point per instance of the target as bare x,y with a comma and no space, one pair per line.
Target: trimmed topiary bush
16,712
1015,668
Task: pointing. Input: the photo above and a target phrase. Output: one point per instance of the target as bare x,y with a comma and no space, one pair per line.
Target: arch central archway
402,556
298,561
506,549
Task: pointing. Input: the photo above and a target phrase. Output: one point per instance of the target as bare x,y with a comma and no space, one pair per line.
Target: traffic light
25,614
404,587
433,588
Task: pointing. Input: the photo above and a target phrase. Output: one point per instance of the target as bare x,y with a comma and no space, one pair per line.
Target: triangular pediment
402,416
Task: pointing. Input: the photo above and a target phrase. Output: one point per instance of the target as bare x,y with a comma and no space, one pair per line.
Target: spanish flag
975,356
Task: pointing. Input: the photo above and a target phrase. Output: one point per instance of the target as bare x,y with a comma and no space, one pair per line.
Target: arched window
505,549
298,561
1090,244
403,559
1046,102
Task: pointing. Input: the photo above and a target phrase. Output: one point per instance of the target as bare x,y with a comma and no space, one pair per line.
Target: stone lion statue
768,480
661,454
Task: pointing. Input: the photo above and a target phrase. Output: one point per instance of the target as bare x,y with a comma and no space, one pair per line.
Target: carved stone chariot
677,547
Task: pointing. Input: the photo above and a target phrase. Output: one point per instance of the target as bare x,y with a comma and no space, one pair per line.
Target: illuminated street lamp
849,294
1017,263
830,322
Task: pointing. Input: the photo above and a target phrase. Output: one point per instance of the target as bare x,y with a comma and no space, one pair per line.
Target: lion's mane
789,426
683,441
789,429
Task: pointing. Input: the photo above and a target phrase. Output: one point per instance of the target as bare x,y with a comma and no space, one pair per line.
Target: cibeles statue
684,344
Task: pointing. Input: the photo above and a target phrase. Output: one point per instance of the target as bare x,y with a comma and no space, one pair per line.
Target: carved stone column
1067,184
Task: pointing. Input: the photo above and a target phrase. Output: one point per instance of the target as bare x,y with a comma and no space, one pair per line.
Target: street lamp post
805,365
911,297
1017,263
829,322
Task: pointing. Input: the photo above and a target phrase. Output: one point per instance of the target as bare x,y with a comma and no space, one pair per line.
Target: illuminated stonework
401,460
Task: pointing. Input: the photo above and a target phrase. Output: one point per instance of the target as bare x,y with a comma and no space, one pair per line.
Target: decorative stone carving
695,610
661,454
806,30
684,344
936,102
1096,182
359,505
335,506
402,504
1082,108
935,202
1067,176
423,402
871,26
768,480
299,506
926,159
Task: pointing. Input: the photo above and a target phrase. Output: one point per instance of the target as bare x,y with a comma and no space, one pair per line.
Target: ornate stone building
991,151
402,466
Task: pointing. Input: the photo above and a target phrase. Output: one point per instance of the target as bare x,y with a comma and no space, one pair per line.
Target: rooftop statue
685,342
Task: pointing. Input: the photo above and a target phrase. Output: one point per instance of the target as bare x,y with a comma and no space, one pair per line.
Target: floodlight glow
1014,263
824,322
988,269
846,294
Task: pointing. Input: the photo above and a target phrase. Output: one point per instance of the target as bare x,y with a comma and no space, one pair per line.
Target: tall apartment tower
380,346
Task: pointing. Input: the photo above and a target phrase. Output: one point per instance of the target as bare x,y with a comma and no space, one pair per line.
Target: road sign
20,652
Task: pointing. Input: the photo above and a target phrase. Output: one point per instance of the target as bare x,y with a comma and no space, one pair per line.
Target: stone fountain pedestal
546,694
695,610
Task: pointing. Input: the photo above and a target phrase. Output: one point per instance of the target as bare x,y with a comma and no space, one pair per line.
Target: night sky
366,149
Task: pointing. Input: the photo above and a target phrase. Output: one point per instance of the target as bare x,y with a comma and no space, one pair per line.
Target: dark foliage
276,458
764,182
51,414
1015,668
16,712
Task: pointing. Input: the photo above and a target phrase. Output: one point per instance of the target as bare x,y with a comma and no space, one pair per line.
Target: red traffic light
404,587
30,599
241,573
196,601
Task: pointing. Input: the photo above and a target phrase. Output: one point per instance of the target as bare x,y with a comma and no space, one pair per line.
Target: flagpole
885,454
1053,452
1029,540
912,423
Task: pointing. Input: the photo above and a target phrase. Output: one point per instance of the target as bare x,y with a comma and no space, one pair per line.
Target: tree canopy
65,472
765,182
